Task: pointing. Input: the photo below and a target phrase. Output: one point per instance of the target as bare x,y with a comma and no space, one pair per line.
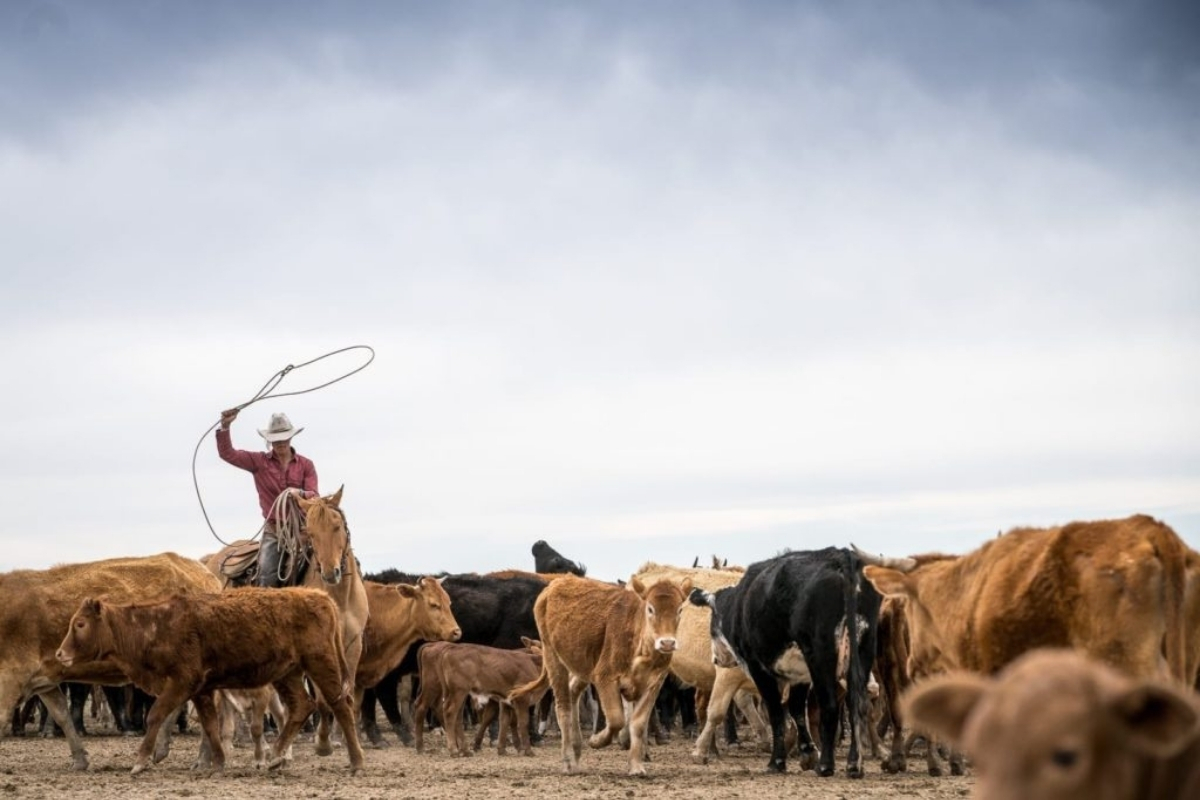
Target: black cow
782,623
493,611
547,559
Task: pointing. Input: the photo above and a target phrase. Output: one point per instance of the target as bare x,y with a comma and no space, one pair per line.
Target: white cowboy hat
279,428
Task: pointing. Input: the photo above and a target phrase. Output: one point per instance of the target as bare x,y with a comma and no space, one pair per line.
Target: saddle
241,562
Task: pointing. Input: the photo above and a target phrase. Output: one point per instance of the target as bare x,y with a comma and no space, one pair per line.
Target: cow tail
542,682
856,678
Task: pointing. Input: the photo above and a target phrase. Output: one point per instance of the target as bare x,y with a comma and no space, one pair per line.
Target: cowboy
278,470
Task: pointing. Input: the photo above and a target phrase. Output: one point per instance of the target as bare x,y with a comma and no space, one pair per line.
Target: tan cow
401,614
620,639
1054,725
692,661
36,606
1113,589
186,648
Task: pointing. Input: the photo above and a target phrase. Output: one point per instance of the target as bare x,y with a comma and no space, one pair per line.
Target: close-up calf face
80,641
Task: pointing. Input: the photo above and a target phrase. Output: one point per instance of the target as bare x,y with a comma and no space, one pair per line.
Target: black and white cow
547,559
782,624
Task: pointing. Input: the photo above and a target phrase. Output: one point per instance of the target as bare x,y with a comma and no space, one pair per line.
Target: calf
619,639
187,647
459,671
1054,725
782,623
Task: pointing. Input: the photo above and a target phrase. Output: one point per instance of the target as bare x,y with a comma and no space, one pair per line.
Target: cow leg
768,688
56,705
327,678
453,701
486,718
368,723
169,701
609,695
716,708
206,709
639,726
425,700
566,696
298,705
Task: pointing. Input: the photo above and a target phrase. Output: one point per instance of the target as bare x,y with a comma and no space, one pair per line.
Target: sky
649,281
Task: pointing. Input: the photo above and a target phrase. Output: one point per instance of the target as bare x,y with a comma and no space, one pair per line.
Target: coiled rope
268,391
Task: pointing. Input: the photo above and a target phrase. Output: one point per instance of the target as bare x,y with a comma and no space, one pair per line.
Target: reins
268,391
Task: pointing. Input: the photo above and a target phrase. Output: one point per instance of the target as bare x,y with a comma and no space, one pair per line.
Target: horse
326,561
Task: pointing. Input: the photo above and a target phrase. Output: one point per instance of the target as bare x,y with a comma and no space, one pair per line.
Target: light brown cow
487,673
36,605
692,661
401,614
1113,589
188,647
620,639
1054,725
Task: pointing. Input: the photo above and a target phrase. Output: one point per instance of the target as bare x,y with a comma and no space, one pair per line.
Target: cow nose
456,634
666,645
61,656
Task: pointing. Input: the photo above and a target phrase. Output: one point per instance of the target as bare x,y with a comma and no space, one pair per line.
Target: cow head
326,527
85,635
1055,725
722,653
547,559
431,610
663,605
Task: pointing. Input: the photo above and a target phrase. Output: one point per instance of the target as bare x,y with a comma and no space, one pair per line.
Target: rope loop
268,391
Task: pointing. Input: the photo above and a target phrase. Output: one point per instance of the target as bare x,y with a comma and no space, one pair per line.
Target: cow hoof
637,771
699,758
855,772
776,767
957,769
824,771
324,749
80,764
139,768
276,763
935,772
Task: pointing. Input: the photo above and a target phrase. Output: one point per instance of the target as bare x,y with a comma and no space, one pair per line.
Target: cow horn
901,564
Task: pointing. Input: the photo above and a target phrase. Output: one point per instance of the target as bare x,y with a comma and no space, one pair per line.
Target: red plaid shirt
270,478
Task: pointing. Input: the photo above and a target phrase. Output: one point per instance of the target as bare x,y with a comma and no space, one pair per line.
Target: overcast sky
646,280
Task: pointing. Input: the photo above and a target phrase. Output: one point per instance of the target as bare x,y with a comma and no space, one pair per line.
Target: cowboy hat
279,428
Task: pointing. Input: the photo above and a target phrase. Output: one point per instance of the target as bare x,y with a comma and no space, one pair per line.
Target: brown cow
401,614
618,638
187,647
459,671
1114,589
36,606
1054,725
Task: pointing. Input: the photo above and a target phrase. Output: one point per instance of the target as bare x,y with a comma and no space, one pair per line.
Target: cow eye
1064,758
650,610
435,606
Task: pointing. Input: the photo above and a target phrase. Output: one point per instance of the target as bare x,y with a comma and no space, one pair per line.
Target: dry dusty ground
34,767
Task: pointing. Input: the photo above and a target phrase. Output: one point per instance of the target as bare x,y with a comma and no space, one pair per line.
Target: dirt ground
36,767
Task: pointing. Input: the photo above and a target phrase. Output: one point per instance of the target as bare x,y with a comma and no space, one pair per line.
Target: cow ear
686,586
408,590
942,705
530,643
636,584
699,597
889,581
1158,721
91,605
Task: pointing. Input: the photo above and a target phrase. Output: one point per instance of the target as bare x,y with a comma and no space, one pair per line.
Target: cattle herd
1056,662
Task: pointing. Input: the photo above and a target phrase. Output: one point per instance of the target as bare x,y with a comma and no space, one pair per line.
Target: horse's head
326,527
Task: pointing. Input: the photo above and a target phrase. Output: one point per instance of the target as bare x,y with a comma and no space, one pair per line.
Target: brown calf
618,638
187,647
1054,725
475,670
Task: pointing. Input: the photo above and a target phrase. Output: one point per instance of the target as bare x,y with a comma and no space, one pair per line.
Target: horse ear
336,498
